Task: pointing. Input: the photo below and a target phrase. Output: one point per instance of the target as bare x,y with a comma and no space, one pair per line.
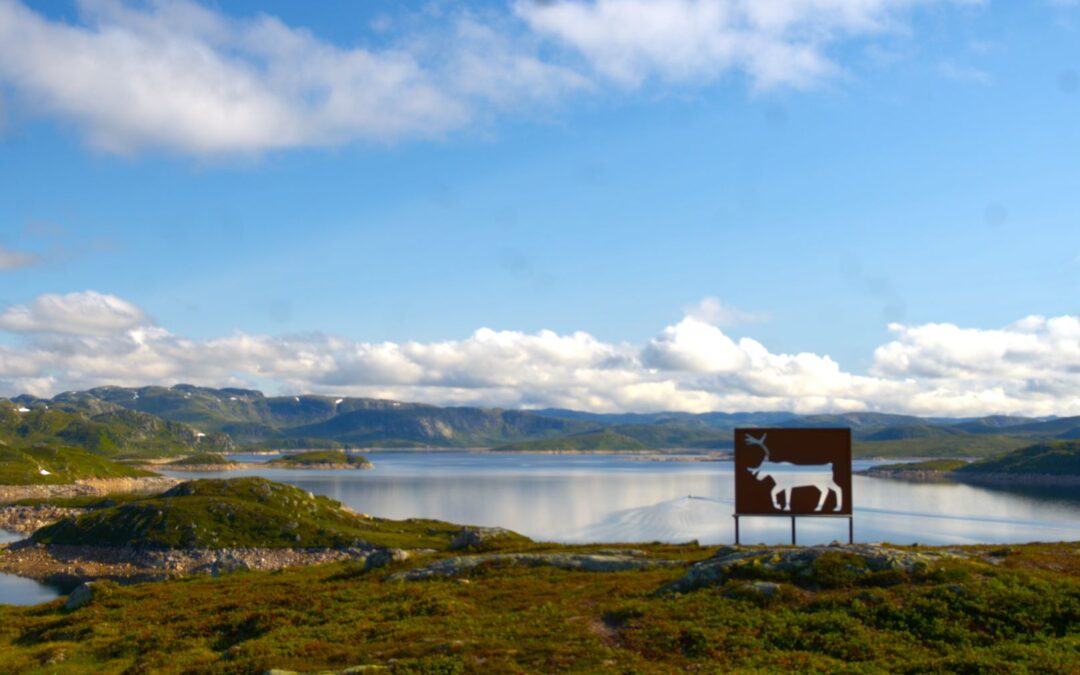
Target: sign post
792,473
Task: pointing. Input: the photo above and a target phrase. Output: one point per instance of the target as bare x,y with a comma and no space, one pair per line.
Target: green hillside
56,466
963,445
600,440
112,433
1059,458
239,512
122,420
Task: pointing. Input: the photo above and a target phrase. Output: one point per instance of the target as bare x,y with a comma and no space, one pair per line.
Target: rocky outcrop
67,565
809,566
451,567
86,593
26,519
93,487
384,557
480,538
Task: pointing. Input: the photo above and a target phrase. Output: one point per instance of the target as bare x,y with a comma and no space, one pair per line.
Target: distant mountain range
185,416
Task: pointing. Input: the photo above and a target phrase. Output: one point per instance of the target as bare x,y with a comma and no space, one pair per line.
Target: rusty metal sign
797,472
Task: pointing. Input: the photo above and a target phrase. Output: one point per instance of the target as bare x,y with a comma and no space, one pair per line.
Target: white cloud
178,75
13,260
779,42
719,313
174,74
86,339
86,313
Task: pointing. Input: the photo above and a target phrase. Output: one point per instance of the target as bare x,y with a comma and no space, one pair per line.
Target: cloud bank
177,75
86,339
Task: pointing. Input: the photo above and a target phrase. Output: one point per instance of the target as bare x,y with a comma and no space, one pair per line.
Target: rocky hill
239,512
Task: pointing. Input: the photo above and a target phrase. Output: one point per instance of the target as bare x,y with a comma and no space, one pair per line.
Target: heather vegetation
988,609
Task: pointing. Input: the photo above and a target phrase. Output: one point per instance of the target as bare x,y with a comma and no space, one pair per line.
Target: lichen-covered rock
86,593
384,557
819,566
757,591
479,538
450,567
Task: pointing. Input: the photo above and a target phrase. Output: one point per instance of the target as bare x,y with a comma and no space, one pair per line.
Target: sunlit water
606,498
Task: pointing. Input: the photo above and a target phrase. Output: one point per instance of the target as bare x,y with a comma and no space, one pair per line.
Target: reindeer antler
760,442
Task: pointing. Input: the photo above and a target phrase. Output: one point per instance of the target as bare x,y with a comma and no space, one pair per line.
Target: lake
16,590
610,498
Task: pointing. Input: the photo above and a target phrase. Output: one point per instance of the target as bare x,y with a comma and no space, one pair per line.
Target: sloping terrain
239,512
308,422
58,466
1057,458
111,433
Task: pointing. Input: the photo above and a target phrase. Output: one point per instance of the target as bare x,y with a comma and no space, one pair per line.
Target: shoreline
926,476
92,487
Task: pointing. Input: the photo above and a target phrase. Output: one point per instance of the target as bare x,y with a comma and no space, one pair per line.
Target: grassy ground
24,466
1021,614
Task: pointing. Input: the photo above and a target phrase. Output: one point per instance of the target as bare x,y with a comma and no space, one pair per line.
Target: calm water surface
18,590
606,498
579,498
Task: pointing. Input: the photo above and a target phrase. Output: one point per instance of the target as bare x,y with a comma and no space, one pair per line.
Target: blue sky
911,164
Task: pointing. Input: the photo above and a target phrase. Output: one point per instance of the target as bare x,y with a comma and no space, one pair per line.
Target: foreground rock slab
808,565
67,565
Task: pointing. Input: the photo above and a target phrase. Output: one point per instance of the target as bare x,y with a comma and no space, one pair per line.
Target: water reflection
576,498
16,590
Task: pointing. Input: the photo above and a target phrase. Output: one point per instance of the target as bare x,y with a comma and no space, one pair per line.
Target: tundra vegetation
969,609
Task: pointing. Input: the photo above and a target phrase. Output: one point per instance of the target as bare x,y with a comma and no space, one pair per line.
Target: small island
320,460
203,461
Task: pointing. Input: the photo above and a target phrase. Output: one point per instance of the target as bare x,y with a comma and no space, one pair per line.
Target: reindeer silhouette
785,481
